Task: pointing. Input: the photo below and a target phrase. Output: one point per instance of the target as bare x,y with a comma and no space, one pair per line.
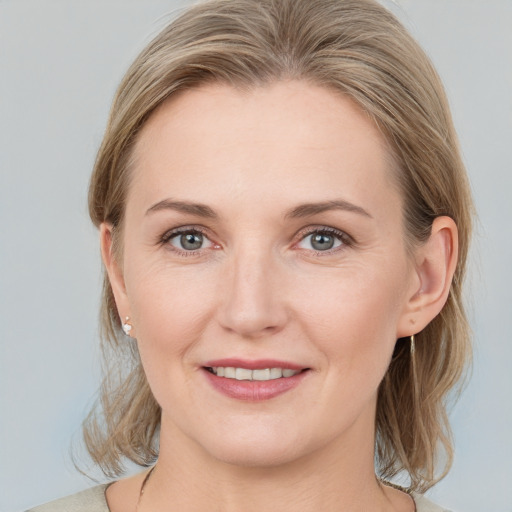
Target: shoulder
90,500
425,505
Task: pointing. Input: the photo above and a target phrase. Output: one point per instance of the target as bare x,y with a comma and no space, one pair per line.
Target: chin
261,446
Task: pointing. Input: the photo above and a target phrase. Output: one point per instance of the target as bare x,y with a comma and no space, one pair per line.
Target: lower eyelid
342,237
344,240
166,241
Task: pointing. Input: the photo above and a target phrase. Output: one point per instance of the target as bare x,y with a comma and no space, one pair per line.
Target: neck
338,474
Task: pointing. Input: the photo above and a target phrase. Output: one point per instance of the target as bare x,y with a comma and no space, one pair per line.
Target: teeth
229,373
261,375
243,374
276,373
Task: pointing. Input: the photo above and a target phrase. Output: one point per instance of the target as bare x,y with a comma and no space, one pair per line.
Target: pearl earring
127,326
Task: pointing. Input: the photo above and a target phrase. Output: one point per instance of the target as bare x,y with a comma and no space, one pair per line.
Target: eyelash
345,239
173,233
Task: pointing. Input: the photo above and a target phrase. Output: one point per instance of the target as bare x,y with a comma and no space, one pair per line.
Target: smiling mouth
264,374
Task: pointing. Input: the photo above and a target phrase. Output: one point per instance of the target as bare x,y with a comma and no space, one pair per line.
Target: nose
252,304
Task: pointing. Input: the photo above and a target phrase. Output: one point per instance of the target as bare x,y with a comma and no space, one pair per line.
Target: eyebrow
310,209
303,210
200,210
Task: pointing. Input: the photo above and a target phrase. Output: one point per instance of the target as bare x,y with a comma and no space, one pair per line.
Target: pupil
322,242
191,241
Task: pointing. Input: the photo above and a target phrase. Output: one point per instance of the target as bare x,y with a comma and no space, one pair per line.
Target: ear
114,270
435,263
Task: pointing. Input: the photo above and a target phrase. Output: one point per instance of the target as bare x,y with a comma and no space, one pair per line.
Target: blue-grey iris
322,242
191,241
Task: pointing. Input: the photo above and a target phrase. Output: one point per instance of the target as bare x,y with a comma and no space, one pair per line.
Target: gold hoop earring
127,326
414,372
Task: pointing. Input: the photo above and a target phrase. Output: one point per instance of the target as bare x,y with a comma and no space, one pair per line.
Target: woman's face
263,238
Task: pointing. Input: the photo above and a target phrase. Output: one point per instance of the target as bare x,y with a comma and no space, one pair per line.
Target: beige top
93,500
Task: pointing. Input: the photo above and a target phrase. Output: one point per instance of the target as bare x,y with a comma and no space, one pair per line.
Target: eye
323,240
187,240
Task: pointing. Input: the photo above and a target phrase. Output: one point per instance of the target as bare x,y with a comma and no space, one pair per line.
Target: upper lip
255,364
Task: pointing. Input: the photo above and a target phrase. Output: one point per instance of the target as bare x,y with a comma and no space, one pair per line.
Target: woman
284,220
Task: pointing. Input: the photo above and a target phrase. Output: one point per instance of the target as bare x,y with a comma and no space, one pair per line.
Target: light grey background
60,62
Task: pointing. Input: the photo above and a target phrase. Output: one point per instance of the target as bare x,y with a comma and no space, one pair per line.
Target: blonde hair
360,49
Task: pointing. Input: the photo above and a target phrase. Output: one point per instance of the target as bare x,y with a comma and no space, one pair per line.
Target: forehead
296,137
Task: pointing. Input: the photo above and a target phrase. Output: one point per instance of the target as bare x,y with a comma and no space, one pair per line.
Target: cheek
169,309
353,315
352,323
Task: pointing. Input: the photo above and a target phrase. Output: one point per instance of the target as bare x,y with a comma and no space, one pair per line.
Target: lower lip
254,390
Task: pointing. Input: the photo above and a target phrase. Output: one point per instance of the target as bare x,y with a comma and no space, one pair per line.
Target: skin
257,288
